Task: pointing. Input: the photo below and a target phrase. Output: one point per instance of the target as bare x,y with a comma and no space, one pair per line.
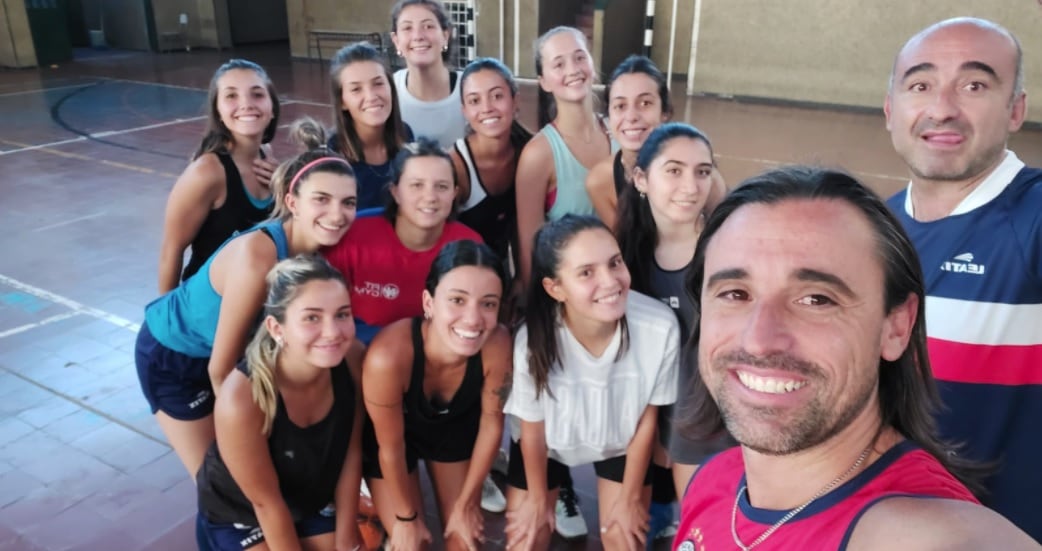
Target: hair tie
312,164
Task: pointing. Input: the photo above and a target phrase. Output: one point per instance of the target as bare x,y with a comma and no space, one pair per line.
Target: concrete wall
16,42
831,51
354,16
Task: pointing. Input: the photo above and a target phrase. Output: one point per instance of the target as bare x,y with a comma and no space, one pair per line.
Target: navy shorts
174,383
609,469
236,537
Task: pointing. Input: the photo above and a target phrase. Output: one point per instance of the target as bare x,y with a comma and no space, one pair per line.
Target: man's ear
897,328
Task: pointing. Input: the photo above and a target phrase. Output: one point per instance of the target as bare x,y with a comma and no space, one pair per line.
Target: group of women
425,275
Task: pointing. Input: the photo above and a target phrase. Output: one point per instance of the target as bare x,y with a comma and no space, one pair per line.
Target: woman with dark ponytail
227,186
486,159
434,389
660,220
592,364
285,469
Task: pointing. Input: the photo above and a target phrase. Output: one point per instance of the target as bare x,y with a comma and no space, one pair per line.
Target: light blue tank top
571,178
185,319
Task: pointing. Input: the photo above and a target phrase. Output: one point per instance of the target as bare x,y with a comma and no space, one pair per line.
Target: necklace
788,516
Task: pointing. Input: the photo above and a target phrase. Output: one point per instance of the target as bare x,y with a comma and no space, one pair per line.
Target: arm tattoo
504,391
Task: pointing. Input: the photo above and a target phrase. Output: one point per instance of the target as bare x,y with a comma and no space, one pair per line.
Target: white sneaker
500,463
570,521
492,499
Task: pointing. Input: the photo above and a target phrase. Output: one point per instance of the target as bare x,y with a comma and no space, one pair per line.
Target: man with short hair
974,213
811,348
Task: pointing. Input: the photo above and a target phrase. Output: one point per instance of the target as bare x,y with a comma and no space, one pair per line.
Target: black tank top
236,214
435,431
618,171
494,217
307,460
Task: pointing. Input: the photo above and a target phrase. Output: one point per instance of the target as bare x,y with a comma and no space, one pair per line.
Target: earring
642,195
278,342
426,315
399,52
445,48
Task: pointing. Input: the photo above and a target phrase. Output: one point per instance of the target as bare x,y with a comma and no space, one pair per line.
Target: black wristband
408,518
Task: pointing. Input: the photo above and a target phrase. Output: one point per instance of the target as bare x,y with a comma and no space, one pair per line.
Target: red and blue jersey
983,272
385,277
904,470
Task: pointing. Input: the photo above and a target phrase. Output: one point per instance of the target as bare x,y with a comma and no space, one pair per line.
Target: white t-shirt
597,401
441,120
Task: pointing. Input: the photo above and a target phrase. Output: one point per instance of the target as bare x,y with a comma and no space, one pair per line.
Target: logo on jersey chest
963,264
388,291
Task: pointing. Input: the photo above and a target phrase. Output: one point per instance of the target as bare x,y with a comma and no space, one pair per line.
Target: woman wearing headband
194,335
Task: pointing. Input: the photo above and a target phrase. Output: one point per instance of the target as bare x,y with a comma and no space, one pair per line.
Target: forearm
396,475
170,261
535,453
490,434
277,524
638,453
347,495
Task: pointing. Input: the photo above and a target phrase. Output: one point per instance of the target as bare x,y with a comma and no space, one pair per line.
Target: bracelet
406,519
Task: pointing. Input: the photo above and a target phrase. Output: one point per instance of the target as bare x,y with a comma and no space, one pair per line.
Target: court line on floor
35,324
84,405
774,162
104,134
38,90
72,221
69,303
106,162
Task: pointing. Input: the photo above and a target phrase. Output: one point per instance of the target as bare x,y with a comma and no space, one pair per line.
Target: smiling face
318,327
243,102
488,104
793,323
952,106
419,37
567,69
677,181
634,109
464,308
324,205
425,192
366,93
592,281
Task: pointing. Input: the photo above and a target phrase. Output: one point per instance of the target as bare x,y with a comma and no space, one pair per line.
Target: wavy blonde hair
285,281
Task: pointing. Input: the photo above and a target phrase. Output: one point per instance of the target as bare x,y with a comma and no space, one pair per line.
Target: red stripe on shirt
983,364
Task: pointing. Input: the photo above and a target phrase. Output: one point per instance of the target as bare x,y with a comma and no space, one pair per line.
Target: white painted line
163,84
34,325
147,127
104,134
73,221
305,102
43,146
23,92
772,162
72,304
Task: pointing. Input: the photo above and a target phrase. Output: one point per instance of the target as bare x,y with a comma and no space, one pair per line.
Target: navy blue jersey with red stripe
983,272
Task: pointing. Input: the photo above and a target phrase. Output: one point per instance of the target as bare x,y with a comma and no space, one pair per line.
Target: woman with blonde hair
285,469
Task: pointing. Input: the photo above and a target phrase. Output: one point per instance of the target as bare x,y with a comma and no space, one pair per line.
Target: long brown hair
348,142
908,396
217,137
